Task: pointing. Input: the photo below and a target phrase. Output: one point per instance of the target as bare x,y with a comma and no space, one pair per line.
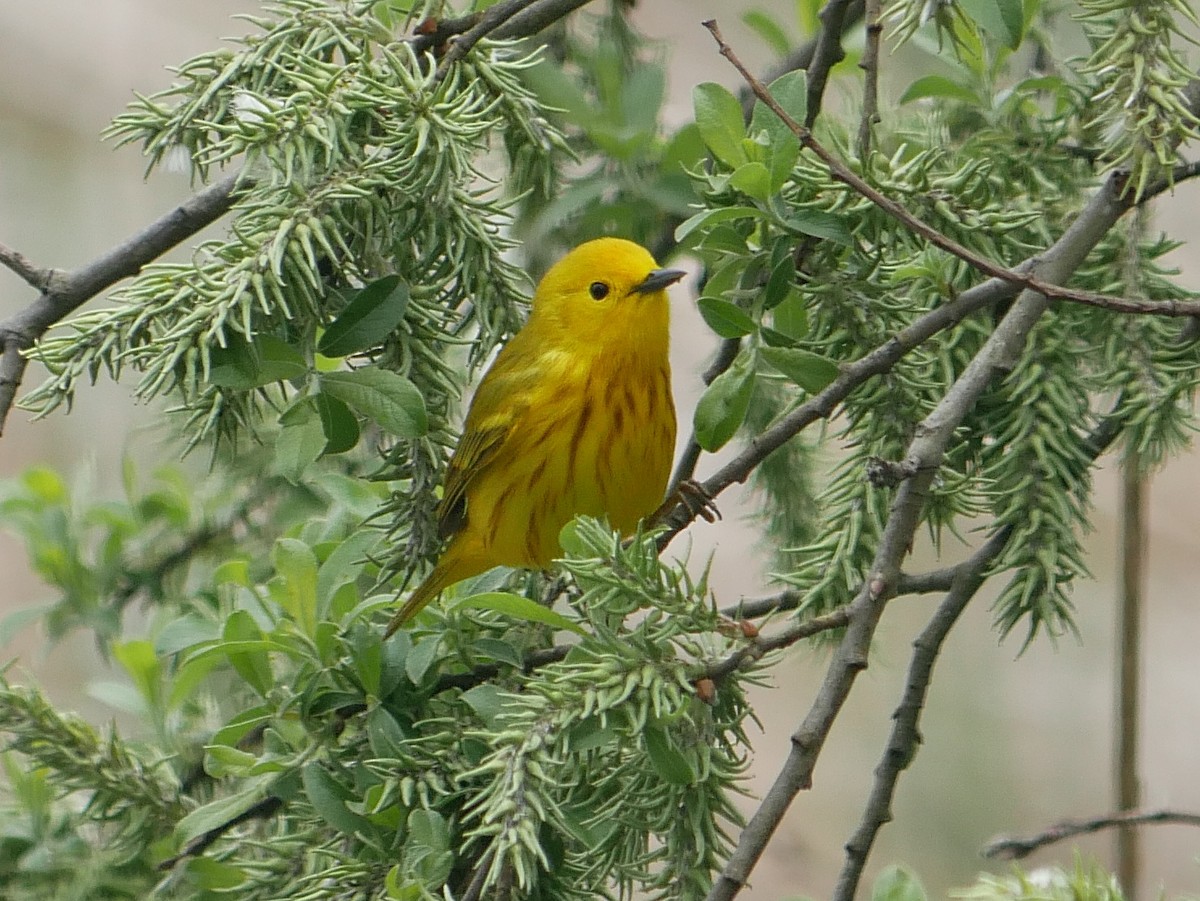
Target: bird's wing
476,449
496,409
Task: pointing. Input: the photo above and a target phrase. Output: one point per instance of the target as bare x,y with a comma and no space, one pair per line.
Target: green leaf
790,317
790,91
722,408
338,424
783,146
487,702
213,875
301,440
939,86
753,180
427,850
726,319
222,760
384,397
779,283
140,660
384,734
810,371
820,224
712,217
1002,19
666,759
296,565
344,565
328,798
370,317
897,883
642,98
769,30
499,650
220,812
420,658
242,365
518,607
250,662
719,118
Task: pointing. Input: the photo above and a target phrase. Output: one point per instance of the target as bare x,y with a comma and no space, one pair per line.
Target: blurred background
1012,742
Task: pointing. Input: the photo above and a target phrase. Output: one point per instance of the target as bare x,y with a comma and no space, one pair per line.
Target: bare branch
67,291
870,67
1006,847
827,54
539,15
483,25
509,19
764,644
905,736
31,274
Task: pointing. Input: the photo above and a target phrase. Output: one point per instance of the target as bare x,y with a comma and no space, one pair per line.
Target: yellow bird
574,417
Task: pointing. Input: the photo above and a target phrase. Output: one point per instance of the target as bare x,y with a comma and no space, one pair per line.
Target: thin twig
479,878
827,54
761,645
1129,619
539,15
905,736
505,13
790,599
66,291
870,67
30,273
1006,847
893,208
495,16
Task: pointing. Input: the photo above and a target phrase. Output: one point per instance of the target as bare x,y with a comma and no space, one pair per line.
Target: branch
64,292
902,744
870,67
1024,279
827,54
481,26
539,15
1006,847
25,268
506,20
761,645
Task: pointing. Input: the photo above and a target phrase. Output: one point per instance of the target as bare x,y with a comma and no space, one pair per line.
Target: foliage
319,351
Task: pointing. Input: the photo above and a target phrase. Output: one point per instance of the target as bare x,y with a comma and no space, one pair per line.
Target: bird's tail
439,578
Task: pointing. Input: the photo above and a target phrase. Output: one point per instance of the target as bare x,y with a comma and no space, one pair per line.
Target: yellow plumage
574,417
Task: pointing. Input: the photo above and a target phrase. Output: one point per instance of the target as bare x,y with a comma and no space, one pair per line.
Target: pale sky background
1011,744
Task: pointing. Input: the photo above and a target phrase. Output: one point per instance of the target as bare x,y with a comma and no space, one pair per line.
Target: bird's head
605,287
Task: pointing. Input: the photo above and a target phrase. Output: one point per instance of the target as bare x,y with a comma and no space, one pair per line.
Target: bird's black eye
598,290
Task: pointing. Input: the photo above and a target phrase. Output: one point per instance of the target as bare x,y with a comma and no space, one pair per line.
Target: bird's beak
657,280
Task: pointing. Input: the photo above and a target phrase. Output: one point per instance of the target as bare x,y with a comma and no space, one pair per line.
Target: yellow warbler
574,417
